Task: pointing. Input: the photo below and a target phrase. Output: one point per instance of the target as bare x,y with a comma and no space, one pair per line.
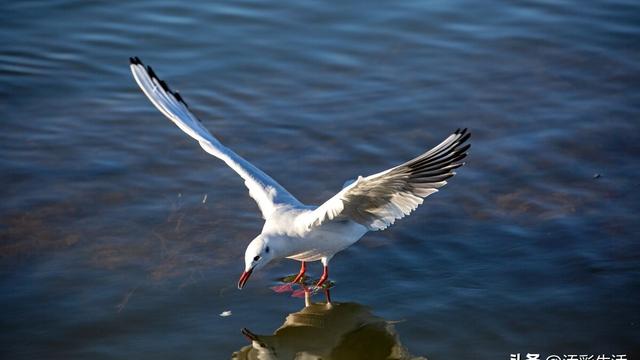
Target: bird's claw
320,286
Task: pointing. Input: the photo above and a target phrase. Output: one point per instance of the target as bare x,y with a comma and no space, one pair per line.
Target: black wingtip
464,138
463,149
164,85
151,73
179,98
135,60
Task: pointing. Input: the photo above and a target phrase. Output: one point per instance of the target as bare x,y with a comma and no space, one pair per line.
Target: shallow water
109,250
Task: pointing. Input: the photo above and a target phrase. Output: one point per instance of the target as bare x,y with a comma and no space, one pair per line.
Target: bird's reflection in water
327,331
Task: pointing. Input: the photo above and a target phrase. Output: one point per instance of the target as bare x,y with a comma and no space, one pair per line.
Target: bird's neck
277,244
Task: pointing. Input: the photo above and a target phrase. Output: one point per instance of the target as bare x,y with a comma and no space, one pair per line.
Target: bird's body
290,241
305,233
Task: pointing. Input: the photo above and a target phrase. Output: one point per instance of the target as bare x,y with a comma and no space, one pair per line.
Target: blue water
107,249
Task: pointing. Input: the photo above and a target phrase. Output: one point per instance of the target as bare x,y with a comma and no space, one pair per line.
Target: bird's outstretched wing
378,200
262,188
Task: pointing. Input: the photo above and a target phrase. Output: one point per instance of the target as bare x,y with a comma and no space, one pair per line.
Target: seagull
307,233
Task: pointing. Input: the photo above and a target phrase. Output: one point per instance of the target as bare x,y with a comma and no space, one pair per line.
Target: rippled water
107,249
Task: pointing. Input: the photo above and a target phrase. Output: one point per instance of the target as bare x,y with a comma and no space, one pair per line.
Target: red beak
243,278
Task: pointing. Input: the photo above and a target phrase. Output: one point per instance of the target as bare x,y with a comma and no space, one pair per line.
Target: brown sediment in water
181,245
38,230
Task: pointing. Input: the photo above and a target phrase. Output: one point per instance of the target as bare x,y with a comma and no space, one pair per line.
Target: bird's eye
266,249
256,258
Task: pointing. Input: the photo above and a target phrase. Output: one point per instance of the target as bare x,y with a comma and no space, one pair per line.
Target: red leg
323,278
289,286
303,269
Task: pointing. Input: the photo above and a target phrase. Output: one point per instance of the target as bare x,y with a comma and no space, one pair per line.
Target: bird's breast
324,241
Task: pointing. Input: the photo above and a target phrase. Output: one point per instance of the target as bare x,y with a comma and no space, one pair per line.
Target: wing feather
378,200
262,188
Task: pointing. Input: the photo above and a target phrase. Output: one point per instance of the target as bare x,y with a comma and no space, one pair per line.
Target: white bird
306,233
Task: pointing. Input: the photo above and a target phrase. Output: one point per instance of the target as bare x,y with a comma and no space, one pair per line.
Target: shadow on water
327,330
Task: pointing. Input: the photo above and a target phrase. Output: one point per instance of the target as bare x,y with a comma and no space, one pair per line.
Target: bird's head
257,255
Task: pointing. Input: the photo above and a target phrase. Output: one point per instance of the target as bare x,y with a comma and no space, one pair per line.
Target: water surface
108,249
